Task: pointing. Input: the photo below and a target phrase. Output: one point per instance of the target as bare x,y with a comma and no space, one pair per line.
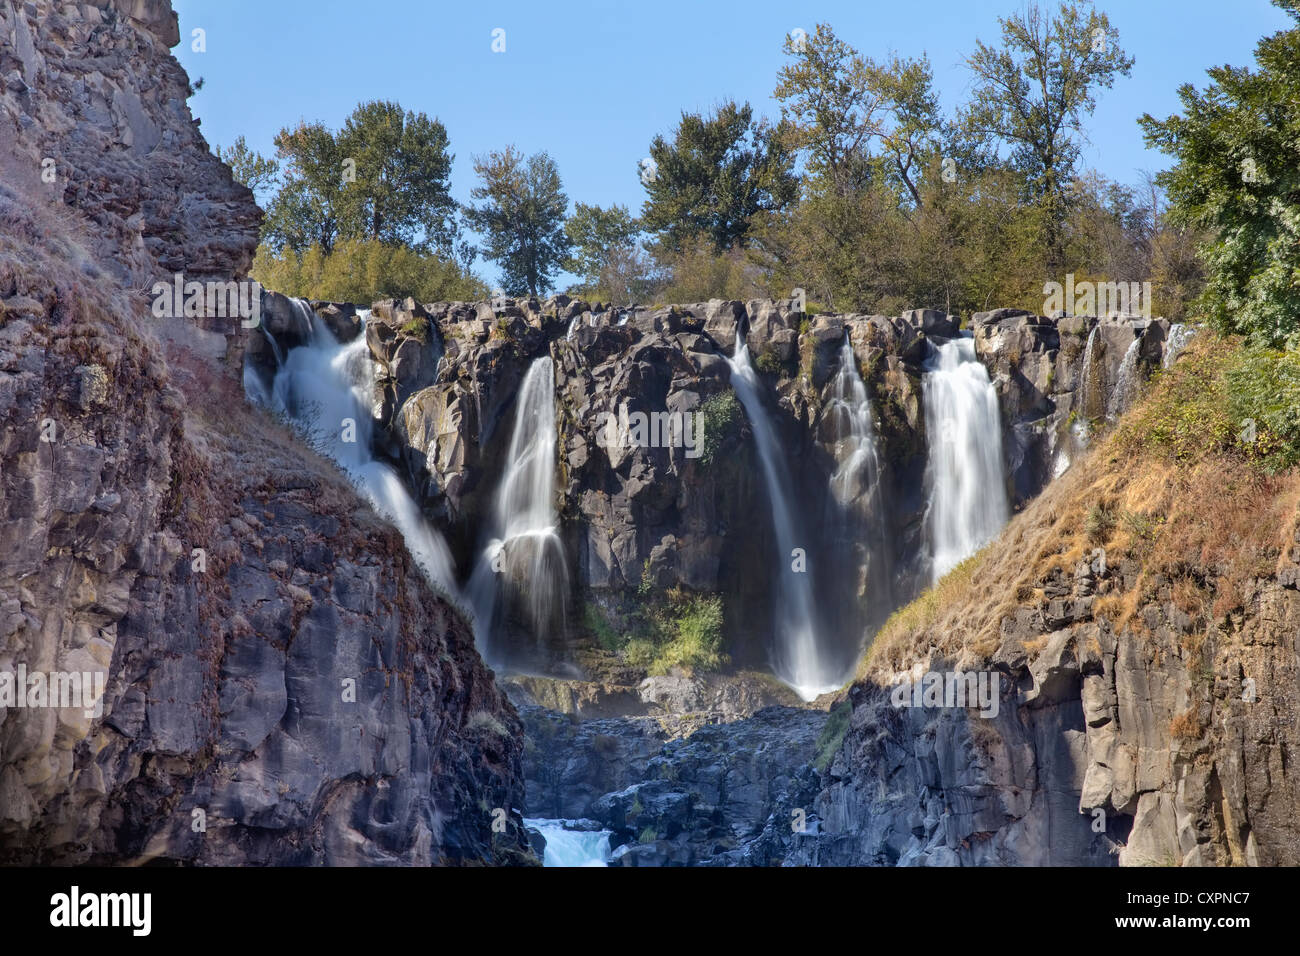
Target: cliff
282,685
1141,619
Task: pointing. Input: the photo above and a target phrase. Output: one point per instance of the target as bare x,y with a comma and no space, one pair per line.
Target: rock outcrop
1141,623
281,685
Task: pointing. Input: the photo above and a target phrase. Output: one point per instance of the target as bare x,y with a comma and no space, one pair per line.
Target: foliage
607,255
384,176
521,212
1264,399
403,179
722,419
1099,524
363,270
714,177
675,630
250,167
1186,415
1034,91
1237,146
832,736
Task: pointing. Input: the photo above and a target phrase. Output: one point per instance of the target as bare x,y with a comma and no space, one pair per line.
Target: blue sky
592,81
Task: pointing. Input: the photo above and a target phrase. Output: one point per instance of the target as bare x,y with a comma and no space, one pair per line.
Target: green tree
250,167
594,233
307,209
718,173
855,120
521,214
401,191
1034,91
1237,146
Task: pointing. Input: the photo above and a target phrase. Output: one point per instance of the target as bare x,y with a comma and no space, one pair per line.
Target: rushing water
1179,335
526,555
571,847
1126,382
326,390
968,497
855,450
796,659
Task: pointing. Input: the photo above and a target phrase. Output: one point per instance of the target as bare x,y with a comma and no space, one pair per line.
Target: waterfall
855,486
566,846
1126,381
1179,335
326,391
1087,389
855,449
796,661
968,496
527,552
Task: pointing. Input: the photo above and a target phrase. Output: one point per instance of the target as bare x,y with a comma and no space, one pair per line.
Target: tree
307,208
401,192
716,175
522,217
837,104
598,240
249,167
1237,146
1034,91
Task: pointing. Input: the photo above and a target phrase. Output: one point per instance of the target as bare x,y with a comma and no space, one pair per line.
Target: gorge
370,584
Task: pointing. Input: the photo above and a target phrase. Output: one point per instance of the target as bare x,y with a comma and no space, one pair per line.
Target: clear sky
592,81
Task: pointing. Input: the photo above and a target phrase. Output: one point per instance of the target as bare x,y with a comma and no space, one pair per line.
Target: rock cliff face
282,686
1147,677
646,517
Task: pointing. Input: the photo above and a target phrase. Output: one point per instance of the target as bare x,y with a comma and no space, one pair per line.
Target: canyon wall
282,685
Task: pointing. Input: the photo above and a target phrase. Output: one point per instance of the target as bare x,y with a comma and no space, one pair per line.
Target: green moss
594,620
832,735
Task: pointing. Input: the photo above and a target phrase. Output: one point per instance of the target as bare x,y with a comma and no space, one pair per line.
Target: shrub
722,418
364,270
832,735
1264,398
1099,524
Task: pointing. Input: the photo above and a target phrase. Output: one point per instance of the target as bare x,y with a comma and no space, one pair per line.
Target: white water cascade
1126,383
855,448
326,391
1179,335
797,661
968,496
571,847
527,551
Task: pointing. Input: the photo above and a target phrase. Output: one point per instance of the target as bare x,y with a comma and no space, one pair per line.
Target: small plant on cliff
418,328
769,363
832,735
1099,523
722,418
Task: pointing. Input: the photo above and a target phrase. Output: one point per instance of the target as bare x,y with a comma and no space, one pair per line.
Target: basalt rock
282,686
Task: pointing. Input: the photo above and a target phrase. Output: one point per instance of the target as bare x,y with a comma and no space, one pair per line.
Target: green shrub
363,271
1099,524
769,364
693,628
832,735
593,619
1264,402
722,419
